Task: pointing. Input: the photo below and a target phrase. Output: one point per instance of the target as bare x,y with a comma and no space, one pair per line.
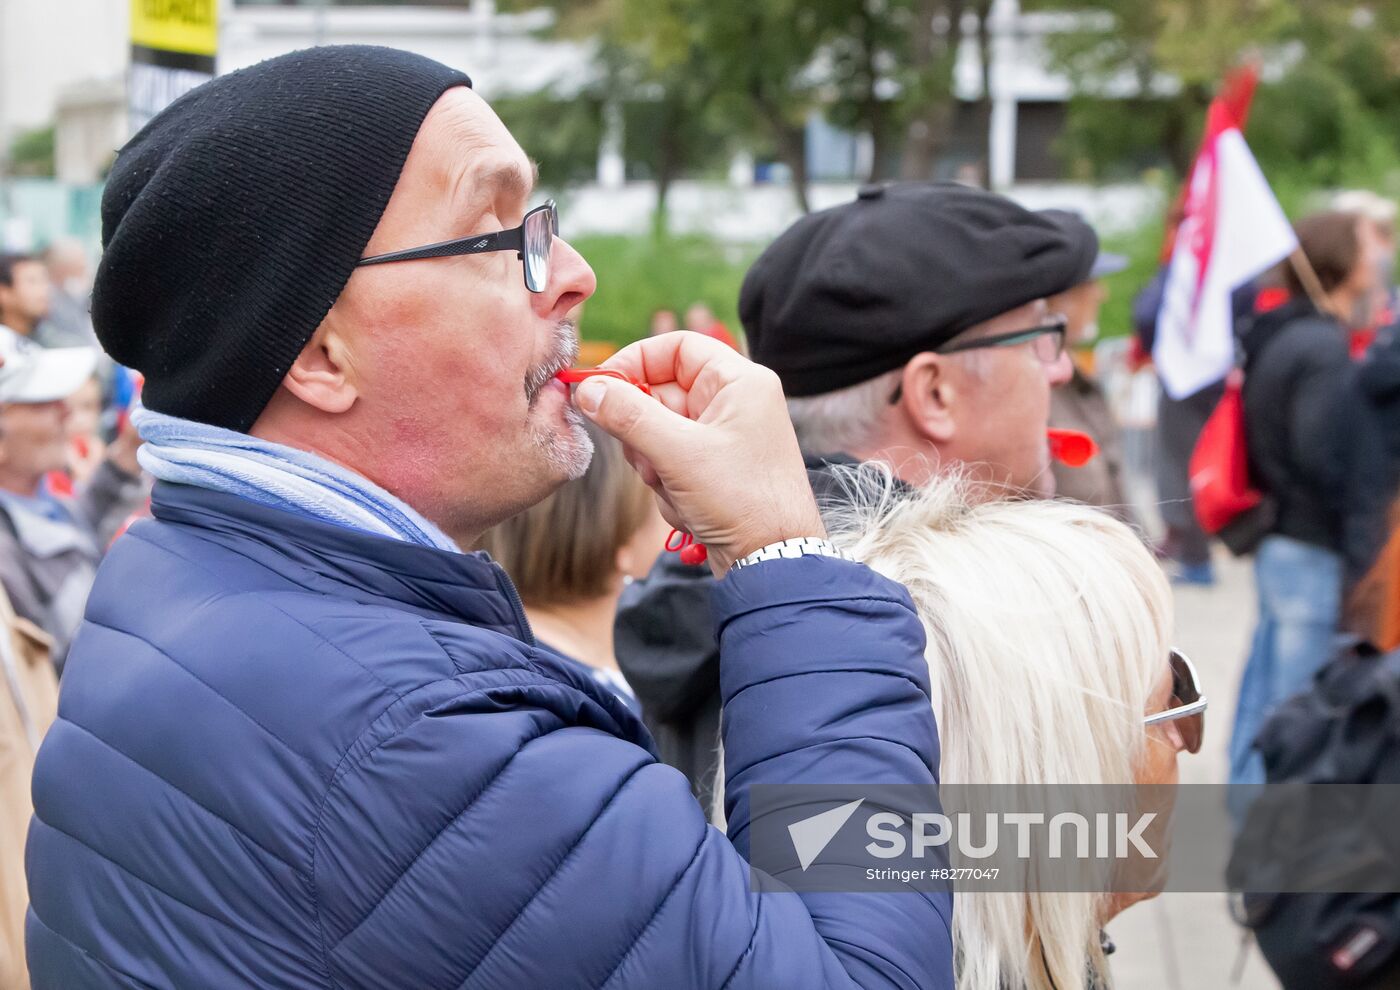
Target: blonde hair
564,549
1048,626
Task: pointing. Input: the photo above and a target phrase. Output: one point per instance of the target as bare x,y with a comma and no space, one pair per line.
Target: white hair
1048,627
848,419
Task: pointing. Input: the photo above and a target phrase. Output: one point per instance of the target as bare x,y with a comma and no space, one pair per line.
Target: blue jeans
1300,590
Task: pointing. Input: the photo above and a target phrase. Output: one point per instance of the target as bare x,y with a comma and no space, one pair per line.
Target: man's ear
928,398
322,376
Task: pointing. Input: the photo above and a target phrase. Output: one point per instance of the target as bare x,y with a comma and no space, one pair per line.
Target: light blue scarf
189,453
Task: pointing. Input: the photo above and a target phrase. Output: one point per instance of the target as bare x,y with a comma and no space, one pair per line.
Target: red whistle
1072,448
572,376
683,543
680,542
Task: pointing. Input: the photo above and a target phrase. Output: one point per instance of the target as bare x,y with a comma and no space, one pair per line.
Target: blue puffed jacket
294,755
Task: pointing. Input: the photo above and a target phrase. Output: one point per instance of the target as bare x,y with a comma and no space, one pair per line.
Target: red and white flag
1232,230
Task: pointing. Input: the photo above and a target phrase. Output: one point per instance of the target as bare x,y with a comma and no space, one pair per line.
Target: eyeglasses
1048,340
532,241
1188,704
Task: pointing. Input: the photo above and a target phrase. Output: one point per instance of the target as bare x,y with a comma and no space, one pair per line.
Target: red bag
1220,487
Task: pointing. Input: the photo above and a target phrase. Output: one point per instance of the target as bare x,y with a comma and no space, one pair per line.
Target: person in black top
1370,446
1297,368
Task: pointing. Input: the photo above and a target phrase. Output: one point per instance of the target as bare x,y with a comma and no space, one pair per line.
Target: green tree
653,74
925,78
562,133
1323,114
1170,53
674,124
706,75
757,58
879,67
32,153
1330,120
891,70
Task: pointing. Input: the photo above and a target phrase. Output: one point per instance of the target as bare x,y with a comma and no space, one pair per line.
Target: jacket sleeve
499,840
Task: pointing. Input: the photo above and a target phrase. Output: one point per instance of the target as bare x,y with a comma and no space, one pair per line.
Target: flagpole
1312,285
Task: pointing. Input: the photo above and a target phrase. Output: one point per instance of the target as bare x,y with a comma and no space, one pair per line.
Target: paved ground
1187,941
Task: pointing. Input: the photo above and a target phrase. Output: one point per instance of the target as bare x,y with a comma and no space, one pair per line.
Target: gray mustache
566,350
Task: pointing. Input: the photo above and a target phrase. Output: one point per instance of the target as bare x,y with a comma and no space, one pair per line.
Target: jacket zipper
509,586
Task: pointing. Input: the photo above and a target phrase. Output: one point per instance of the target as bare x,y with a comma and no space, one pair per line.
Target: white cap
31,373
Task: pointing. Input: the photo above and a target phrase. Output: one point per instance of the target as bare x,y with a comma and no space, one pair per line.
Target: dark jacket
664,639
291,755
665,644
1296,372
1369,444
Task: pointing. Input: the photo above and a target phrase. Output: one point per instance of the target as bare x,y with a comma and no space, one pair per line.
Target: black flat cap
855,291
232,221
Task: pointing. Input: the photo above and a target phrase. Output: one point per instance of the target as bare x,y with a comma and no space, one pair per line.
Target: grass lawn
639,275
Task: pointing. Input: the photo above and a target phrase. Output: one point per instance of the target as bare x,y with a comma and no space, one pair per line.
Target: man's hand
714,442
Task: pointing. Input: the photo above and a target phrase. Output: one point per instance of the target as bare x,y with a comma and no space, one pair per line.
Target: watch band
798,546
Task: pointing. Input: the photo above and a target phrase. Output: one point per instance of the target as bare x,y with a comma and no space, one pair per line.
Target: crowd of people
310,736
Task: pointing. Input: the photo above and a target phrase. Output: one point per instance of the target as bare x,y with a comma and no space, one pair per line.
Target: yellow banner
189,26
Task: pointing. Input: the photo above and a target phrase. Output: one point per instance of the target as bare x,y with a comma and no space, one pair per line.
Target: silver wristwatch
798,546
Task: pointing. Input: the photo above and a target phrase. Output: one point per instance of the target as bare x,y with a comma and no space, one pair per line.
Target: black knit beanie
232,221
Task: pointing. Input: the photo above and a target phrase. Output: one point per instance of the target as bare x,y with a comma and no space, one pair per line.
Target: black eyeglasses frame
499,240
1056,326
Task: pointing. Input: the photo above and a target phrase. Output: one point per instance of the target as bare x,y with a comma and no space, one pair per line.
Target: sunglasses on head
532,241
1188,704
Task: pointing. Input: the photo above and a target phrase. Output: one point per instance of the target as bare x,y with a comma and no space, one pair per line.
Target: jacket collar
371,569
